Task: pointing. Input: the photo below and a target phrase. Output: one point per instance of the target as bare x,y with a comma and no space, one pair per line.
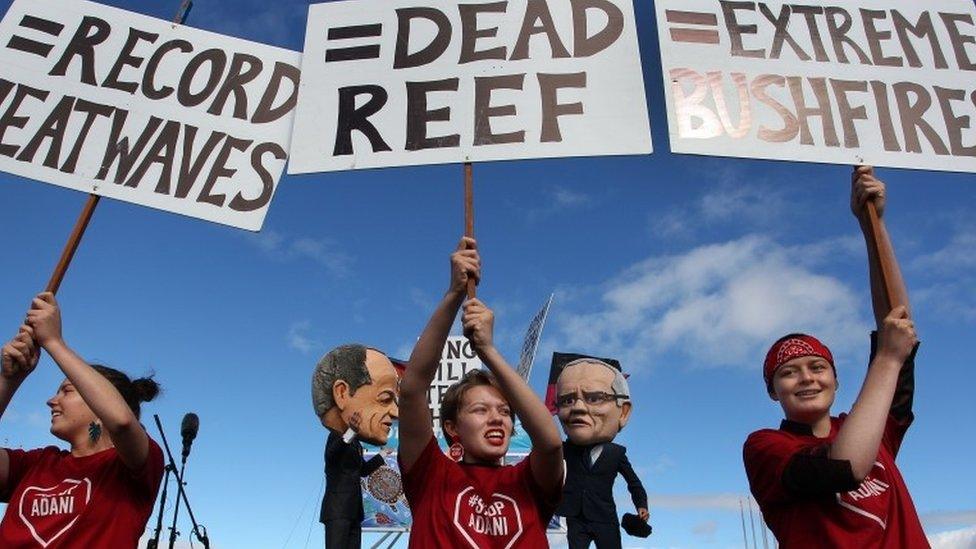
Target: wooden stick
469,216
884,260
72,245
86,213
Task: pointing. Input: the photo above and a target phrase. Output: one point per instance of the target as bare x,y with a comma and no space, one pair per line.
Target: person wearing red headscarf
825,481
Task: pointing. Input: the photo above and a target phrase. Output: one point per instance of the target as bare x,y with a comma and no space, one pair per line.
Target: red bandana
791,347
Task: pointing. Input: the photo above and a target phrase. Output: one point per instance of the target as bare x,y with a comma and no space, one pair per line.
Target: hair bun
146,388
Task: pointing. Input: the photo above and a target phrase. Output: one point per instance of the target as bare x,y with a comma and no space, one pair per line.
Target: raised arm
547,448
18,358
860,437
415,420
128,436
865,187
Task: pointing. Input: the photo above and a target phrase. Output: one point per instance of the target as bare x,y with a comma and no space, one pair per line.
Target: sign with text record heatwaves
130,107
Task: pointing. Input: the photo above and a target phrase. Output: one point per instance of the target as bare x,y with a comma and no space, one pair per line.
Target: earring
94,432
456,451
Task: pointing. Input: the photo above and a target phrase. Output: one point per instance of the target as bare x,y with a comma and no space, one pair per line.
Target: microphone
191,424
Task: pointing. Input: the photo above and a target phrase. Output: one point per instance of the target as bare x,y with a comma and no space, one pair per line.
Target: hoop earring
94,432
456,452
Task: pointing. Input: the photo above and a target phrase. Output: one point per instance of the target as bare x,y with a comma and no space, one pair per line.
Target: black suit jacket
344,466
588,492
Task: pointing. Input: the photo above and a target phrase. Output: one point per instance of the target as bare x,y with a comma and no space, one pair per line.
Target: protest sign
457,359
858,82
393,83
135,108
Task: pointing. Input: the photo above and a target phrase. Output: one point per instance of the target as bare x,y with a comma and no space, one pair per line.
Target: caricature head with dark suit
592,400
356,387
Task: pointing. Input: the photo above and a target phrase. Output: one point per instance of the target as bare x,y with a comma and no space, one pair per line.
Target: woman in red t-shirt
99,493
473,500
824,481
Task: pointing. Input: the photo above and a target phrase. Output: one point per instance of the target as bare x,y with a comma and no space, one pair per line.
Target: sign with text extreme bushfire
859,82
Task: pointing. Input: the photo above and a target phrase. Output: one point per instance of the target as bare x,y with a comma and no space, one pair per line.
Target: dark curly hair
133,391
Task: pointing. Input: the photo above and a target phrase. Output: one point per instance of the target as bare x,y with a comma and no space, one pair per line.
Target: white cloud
950,518
954,539
298,338
559,200
323,251
722,502
706,530
752,205
717,305
566,198
949,271
959,255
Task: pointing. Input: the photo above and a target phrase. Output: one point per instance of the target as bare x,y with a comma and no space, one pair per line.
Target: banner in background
854,82
395,83
130,107
531,342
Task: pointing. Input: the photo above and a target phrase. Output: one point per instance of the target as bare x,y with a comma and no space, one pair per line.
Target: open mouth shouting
495,437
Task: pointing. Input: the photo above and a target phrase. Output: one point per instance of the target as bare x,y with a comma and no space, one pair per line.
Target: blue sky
683,267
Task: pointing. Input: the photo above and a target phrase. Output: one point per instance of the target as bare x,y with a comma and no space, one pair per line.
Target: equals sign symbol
52,28
697,36
371,51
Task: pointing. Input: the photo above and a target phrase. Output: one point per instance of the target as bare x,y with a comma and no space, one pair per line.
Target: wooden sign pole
72,244
881,252
89,209
469,216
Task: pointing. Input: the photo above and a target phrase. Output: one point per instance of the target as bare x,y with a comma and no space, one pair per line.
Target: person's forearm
860,437
885,251
426,355
536,419
7,389
415,420
97,391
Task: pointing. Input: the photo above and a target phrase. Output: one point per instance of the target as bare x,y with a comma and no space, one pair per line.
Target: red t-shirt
877,514
482,507
57,500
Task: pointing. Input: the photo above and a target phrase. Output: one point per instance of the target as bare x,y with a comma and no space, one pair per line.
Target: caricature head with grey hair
592,401
356,387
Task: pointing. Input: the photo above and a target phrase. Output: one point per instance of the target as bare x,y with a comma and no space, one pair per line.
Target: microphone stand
171,467
154,542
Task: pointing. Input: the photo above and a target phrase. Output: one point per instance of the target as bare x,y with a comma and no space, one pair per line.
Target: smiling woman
100,492
823,480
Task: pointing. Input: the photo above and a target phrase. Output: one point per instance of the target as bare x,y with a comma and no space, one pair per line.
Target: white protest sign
457,359
138,109
394,83
859,81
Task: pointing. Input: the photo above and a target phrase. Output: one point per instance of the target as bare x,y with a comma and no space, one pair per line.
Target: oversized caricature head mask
592,401
353,384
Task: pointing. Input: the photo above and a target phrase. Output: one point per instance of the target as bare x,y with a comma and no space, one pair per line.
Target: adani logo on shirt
492,523
50,512
871,498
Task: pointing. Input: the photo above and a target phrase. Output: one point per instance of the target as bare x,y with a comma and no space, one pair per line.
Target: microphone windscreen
191,424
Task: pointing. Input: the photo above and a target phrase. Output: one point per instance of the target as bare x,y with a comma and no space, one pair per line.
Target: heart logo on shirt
50,512
870,499
487,523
